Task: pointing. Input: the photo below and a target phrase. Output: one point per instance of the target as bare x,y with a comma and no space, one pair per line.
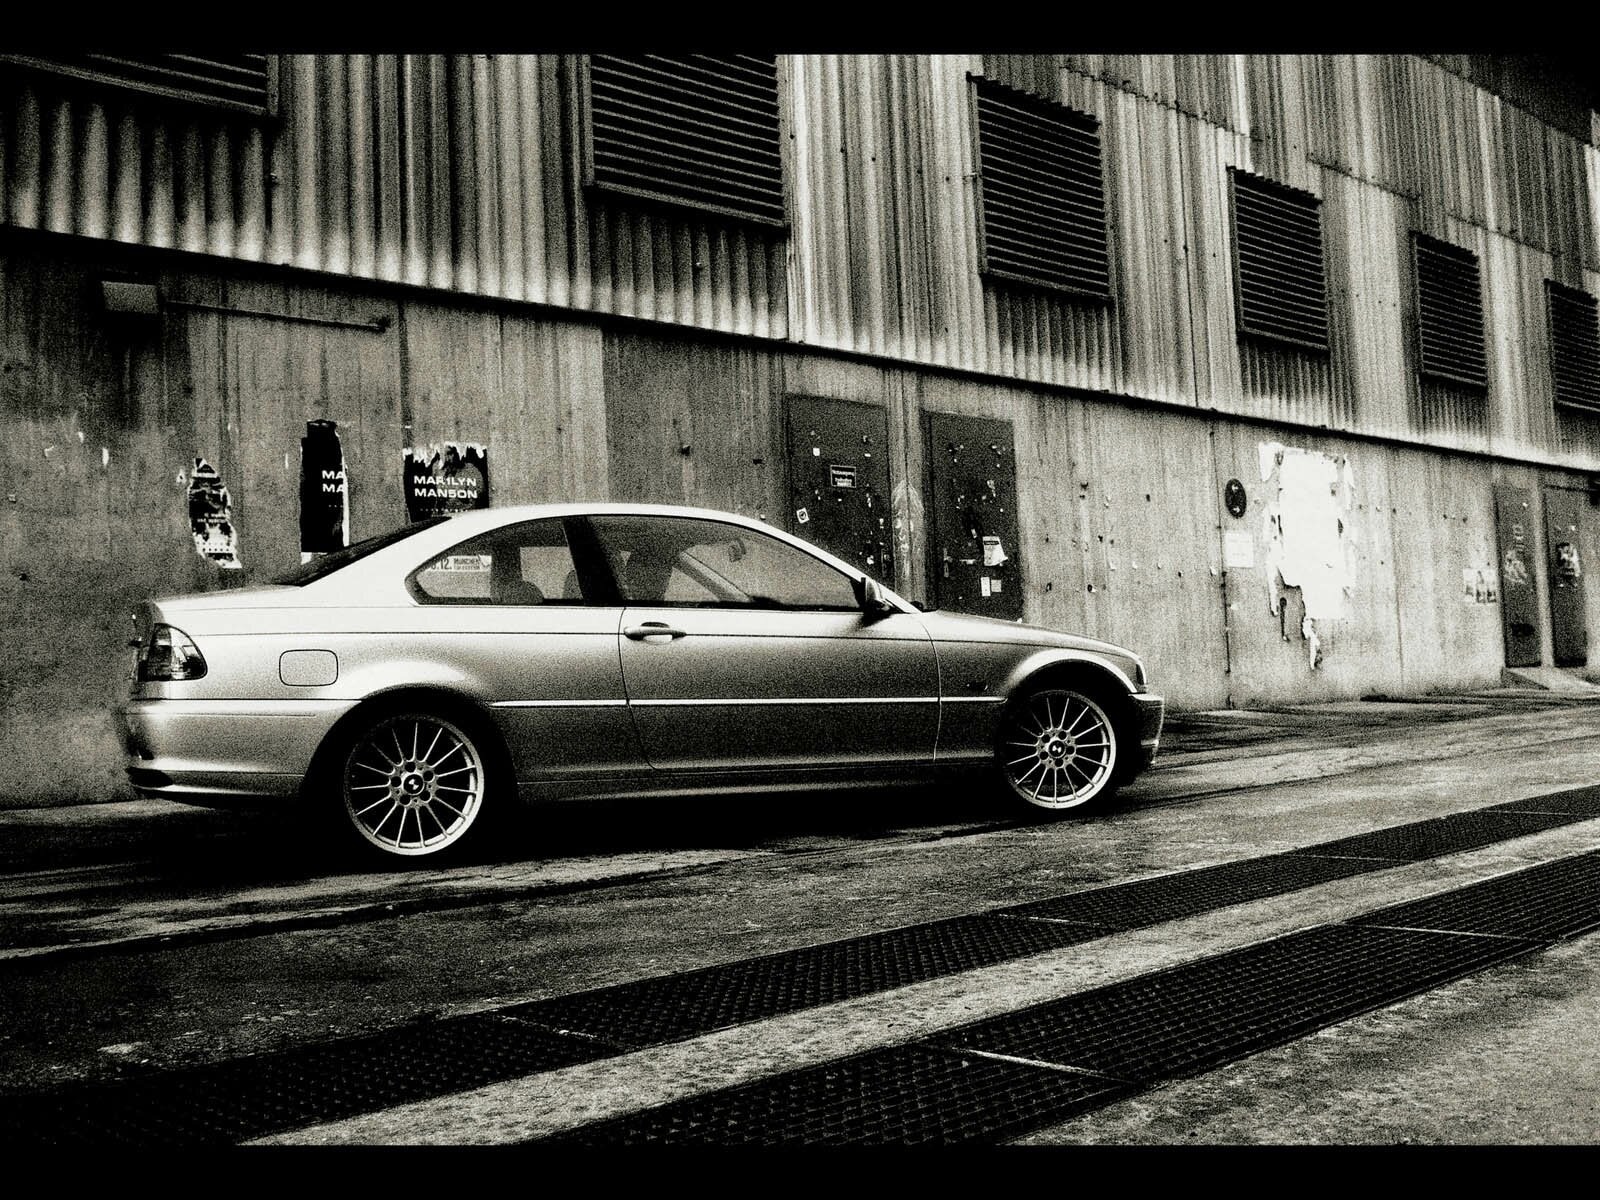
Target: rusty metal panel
839,484
1569,633
1519,587
972,508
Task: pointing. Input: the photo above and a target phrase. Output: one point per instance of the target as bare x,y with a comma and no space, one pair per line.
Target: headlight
168,655
1138,674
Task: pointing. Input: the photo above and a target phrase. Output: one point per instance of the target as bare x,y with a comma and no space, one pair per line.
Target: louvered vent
1277,250
1449,313
246,82
1041,197
699,129
1574,346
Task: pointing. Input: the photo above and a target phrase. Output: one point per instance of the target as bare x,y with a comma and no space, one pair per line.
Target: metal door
1519,589
839,481
1569,633
973,475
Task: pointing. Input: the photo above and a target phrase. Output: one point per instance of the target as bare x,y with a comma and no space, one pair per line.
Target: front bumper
224,751
1148,713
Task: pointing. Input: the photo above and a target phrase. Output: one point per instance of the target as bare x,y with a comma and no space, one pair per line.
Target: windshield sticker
324,491
444,478
211,517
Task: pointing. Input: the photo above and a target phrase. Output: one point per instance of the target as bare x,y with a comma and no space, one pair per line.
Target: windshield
327,564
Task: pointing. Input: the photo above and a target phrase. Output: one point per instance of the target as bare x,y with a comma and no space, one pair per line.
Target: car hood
960,627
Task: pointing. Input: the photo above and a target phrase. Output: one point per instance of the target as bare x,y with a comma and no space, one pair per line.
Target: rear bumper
224,751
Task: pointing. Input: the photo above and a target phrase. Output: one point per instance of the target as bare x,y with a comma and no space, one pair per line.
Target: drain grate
1547,902
1208,1012
1584,801
1446,835
1127,1036
674,1007
1189,893
906,1096
249,1097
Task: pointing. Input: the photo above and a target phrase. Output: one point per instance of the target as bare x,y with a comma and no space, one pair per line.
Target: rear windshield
327,564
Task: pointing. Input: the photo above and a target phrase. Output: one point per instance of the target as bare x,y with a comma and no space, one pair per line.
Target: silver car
417,681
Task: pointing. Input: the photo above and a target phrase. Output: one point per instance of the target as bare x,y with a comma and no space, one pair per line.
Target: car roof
437,539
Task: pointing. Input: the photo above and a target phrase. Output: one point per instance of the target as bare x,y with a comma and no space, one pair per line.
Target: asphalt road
142,938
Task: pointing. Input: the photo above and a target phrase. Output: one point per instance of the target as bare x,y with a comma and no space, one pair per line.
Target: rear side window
326,564
524,564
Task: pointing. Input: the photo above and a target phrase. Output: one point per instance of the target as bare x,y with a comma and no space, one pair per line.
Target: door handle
652,629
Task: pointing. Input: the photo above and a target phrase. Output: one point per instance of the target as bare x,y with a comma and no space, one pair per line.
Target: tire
1057,748
413,782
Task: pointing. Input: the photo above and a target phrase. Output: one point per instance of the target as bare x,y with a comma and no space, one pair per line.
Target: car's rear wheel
1057,748
414,782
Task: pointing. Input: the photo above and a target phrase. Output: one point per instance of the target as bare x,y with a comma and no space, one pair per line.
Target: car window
529,563
689,562
326,564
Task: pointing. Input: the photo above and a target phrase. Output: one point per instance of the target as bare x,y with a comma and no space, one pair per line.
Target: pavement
100,901
257,873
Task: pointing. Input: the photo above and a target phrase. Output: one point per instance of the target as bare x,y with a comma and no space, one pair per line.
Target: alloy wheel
413,784
1058,749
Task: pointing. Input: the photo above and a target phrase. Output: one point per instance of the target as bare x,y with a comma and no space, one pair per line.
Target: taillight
169,654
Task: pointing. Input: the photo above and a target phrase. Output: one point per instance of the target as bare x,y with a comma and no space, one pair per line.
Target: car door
740,651
527,621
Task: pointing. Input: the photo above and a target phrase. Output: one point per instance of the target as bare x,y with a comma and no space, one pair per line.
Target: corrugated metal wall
447,171
456,172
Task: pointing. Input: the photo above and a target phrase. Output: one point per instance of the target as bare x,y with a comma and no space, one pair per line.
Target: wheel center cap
412,785
1055,748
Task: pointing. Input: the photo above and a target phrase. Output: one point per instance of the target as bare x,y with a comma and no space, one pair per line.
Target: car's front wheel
1057,748
414,782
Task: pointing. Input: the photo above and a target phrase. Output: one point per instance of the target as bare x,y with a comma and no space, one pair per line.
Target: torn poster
1307,530
211,517
445,478
324,491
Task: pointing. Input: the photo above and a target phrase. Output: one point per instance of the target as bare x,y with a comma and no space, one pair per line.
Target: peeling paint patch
324,491
905,505
445,478
211,516
1306,525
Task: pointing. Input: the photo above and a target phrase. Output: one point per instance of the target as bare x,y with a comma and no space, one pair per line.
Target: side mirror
874,604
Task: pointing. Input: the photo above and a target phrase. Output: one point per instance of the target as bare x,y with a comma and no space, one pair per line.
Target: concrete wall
1121,506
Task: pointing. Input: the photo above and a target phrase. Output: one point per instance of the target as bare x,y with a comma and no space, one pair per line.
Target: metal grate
1446,835
673,1007
910,1095
1277,252
250,1097
1584,801
1553,900
1449,313
1189,893
698,129
1079,1052
245,82
1041,195
1574,346
1199,1015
